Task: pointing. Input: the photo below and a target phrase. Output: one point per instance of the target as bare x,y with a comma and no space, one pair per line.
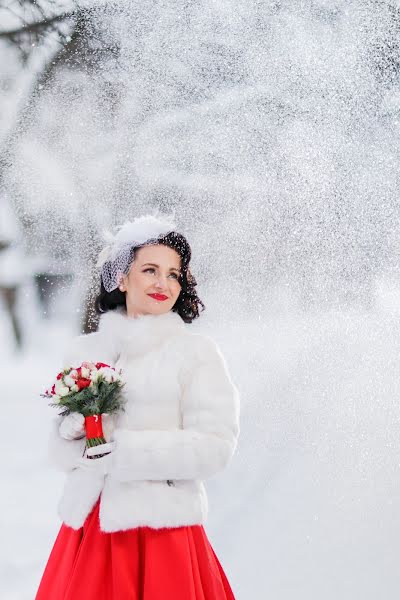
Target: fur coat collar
140,334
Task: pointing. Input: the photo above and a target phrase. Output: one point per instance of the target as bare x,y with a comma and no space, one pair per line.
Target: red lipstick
159,296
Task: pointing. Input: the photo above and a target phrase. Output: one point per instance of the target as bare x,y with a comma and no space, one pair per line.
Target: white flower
107,374
88,365
85,373
63,391
69,381
94,375
56,399
74,388
58,386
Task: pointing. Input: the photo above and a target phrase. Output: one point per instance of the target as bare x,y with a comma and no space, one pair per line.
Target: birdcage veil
115,259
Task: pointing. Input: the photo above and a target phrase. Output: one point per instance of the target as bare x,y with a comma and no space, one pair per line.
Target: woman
133,519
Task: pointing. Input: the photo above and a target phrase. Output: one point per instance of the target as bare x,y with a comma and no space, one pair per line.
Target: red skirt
138,564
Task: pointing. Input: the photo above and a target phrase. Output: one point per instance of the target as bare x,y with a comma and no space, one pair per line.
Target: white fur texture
180,425
131,233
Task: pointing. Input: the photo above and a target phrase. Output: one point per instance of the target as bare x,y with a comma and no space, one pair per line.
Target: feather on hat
134,233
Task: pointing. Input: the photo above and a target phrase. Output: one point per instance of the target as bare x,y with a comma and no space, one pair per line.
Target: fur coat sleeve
207,441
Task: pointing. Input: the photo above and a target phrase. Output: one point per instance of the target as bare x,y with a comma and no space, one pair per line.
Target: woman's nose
161,281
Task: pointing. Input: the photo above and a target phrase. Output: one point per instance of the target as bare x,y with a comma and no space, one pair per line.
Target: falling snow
271,130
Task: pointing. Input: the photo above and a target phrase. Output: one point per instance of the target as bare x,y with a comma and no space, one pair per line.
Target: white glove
99,466
100,449
72,427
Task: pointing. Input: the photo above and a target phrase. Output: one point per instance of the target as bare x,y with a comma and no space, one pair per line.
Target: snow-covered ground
308,508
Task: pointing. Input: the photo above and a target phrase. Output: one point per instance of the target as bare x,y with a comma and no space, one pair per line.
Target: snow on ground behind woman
309,504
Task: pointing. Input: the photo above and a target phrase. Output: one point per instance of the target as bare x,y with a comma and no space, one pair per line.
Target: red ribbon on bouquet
94,433
94,427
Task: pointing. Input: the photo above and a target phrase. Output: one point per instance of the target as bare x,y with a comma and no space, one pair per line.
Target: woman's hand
72,427
100,465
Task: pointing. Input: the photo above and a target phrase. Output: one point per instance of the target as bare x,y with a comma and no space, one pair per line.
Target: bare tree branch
37,21
37,26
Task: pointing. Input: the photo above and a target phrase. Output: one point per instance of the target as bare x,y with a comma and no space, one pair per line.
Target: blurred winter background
271,128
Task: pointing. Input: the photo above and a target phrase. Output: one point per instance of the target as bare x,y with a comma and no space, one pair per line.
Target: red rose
60,375
99,365
53,389
83,383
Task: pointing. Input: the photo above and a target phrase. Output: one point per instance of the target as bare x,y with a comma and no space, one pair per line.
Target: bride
133,520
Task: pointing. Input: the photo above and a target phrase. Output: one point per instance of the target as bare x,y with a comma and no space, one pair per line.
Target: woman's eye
175,275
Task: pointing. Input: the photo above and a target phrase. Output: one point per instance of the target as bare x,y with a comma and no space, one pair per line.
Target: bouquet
92,389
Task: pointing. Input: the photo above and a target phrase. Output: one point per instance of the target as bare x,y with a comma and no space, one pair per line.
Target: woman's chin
158,308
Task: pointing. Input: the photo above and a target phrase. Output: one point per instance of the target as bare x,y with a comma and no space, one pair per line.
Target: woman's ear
121,278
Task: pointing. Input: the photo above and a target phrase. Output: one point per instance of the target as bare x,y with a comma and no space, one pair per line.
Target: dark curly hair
188,303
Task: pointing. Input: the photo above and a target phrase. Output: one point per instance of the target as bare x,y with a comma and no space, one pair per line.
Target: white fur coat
181,423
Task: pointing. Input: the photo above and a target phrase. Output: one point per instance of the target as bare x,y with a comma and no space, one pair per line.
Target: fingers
100,449
77,419
100,466
72,427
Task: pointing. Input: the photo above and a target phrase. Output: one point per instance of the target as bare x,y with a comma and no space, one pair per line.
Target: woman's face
152,284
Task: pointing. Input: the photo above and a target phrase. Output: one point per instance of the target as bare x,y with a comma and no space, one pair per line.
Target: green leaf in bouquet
101,397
